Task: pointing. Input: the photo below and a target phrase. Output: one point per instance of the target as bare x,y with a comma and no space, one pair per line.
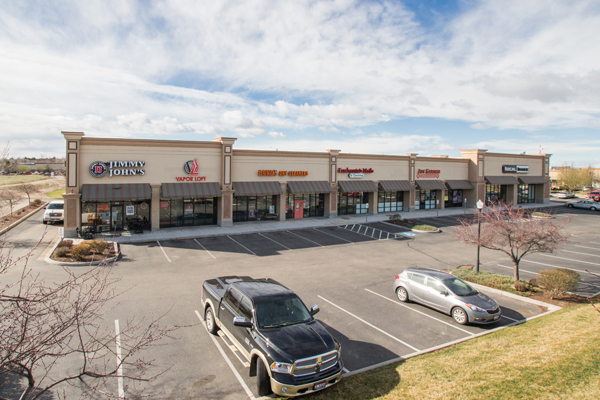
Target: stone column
442,199
476,176
155,207
331,199
72,214
412,173
225,208
72,207
282,202
225,204
372,203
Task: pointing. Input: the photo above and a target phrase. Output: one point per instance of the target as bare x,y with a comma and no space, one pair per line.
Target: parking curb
8,228
550,307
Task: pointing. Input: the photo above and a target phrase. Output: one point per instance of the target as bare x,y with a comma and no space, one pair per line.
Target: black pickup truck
289,352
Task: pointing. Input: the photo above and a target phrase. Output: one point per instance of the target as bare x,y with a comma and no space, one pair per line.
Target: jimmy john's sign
98,169
515,169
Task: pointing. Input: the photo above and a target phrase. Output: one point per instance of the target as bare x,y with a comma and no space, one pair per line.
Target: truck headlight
282,368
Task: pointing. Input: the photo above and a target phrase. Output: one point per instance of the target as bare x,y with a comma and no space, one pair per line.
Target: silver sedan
448,294
587,204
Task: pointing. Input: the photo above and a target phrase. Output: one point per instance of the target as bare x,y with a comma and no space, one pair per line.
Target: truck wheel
263,382
44,222
209,317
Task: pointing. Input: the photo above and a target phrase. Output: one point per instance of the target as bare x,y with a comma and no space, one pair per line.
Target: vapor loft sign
98,169
192,169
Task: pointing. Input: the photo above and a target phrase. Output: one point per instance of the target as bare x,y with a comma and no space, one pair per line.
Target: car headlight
475,308
282,368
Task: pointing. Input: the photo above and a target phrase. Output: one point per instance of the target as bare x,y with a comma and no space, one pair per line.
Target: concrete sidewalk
189,232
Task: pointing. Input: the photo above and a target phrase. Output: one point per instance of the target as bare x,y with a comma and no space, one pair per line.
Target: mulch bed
567,300
16,215
95,257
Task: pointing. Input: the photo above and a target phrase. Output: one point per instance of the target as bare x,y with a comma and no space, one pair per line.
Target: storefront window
389,201
425,199
313,205
495,193
353,203
252,208
187,212
526,194
114,215
454,198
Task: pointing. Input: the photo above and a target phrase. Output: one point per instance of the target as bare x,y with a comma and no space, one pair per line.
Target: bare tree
43,326
512,232
10,198
29,189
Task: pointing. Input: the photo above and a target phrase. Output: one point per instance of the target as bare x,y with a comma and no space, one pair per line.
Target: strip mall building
168,183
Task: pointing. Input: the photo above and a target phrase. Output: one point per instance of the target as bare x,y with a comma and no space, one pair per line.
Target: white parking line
163,250
577,252
569,259
334,235
585,247
266,237
512,319
550,265
250,251
237,375
520,269
120,386
417,311
199,244
372,326
302,237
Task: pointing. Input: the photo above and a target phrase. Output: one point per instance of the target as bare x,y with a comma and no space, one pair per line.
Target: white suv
54,212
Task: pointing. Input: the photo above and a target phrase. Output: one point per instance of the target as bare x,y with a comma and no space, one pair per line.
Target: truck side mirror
241,321
314,309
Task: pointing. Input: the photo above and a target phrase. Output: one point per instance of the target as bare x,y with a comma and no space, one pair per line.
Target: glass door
116,216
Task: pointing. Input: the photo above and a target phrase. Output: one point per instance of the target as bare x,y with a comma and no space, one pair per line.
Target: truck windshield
277,313
55,206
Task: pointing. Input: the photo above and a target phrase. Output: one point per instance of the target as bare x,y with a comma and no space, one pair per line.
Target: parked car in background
565,195
448,294
593,195
54,212
587,204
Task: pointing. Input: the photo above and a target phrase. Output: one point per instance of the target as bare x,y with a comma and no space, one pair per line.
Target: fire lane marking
199,244
371,325
163,250
250,251
302,237
266,237
227,360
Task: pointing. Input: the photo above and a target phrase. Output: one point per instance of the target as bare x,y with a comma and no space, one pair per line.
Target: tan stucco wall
493,164
163,164
246,164
384,168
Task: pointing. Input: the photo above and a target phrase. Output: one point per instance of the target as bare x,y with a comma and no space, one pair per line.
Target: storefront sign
164,204
515,169
355,176
355,170
129,210
428,173
191,168
274,172
117,168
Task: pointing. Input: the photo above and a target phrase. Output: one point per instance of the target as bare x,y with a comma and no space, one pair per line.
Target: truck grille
316,364
55,214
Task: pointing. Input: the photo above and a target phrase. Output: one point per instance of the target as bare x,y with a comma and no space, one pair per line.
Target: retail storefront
159,184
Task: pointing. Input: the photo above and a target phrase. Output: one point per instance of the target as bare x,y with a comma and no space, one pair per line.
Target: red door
298,208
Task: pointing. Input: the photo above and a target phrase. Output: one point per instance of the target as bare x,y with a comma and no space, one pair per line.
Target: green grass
14,179
541,214
553,357
56,194
424,228
490,279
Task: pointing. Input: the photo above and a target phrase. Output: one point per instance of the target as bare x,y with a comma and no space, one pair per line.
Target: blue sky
427,77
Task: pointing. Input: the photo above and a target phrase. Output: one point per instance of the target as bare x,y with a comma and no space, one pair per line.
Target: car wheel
263,383
209,317
402,294
593,208
460,316
570,205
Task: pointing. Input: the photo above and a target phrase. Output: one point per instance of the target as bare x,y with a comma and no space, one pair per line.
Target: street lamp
479,207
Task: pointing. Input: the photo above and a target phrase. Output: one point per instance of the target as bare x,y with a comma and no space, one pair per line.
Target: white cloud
277,135
478,125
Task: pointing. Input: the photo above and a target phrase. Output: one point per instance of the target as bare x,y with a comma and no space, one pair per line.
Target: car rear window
417,278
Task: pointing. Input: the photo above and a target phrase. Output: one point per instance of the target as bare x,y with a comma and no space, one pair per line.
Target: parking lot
347,270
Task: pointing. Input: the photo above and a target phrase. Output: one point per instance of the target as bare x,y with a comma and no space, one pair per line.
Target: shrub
81,250
533,282
65,243
520,286
36,202
395,217
97,246
497,281
61,251
558,281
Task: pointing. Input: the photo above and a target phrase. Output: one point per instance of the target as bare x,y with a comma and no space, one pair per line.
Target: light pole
479,207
